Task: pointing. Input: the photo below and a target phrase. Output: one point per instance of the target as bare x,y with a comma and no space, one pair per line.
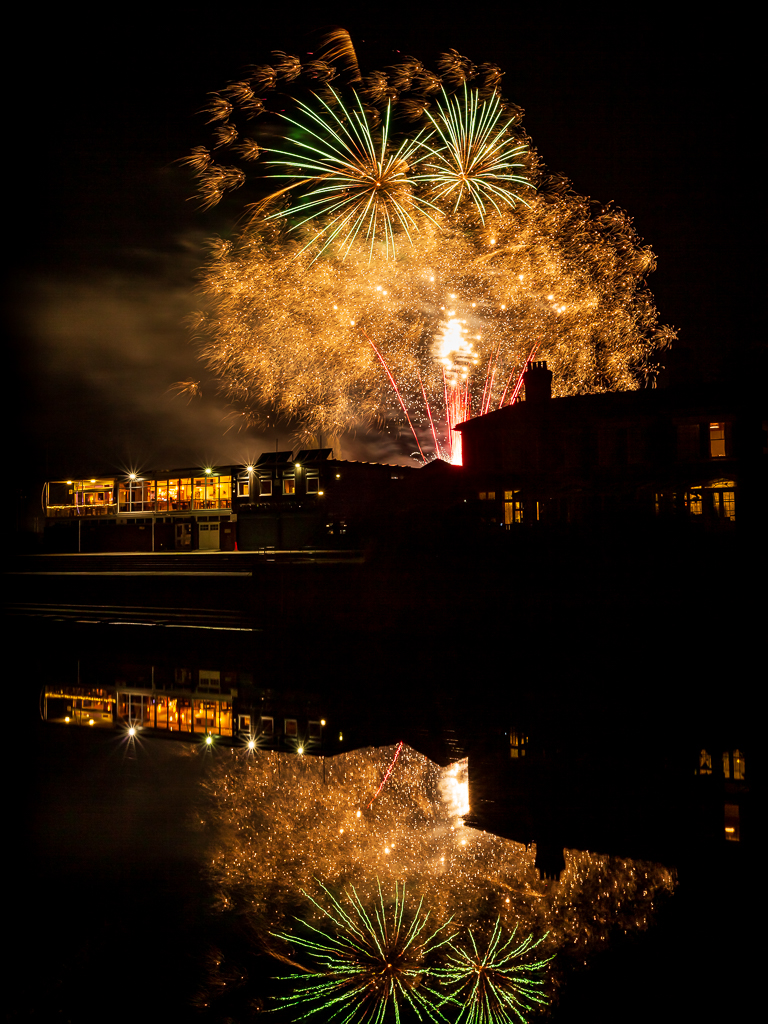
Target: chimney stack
537,381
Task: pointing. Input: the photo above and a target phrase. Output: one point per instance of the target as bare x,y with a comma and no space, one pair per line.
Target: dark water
111,914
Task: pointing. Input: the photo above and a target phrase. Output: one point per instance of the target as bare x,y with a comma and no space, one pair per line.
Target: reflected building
188,702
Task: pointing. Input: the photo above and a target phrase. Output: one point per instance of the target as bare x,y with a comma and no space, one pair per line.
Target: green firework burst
367,965
495,983
476,155
347,181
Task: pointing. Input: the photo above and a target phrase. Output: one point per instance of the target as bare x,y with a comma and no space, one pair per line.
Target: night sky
655,114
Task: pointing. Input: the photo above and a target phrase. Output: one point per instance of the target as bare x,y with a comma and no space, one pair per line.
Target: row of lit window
721,504
732,764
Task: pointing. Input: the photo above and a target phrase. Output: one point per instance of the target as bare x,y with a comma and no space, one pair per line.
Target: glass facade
139,496
81,497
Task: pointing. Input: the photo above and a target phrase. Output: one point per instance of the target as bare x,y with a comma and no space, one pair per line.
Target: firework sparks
495,983
476,156
356,185
402,214
279,822
366,963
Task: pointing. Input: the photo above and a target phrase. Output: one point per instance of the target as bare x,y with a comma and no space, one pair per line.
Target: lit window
482,495
517,744
717,440
724,505
243,488
289,485
705,763
513,508
733,765
732,823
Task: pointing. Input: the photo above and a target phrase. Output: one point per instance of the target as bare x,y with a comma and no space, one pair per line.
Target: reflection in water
283,826
366,961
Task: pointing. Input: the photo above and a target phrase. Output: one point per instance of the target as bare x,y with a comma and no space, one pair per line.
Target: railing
135,508
72,511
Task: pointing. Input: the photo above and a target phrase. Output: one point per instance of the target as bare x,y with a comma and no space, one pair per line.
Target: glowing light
209,739
132,730
251,744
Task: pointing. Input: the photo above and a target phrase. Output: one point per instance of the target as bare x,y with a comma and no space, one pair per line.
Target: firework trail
414,254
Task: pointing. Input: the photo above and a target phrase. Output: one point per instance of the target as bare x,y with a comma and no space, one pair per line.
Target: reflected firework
496,982
333,864
366,963
413,201
279,822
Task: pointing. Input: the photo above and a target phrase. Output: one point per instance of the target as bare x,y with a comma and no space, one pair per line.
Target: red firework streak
386,775
519,382
397,392
458,403
458,408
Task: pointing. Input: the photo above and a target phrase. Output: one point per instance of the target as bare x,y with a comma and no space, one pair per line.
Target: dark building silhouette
622,459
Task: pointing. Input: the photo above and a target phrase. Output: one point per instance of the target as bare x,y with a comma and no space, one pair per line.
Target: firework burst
496,982
412,200
366,963
475,156
349,183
